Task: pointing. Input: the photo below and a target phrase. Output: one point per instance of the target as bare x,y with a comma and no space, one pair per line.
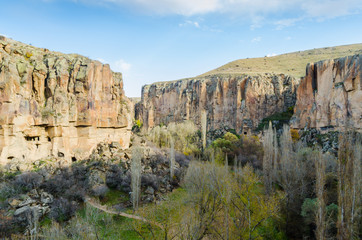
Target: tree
136,169
249,208
320,166
204,128
268,158
172,157
349,185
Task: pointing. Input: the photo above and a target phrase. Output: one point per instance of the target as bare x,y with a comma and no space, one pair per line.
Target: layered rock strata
237,102
54,104
330,96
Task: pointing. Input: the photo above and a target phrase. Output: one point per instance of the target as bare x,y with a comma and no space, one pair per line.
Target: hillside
290,63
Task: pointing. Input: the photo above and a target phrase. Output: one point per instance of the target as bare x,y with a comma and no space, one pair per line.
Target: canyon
327,97
60,105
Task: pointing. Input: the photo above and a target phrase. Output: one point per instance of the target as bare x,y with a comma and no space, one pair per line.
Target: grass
110,226
114,197
281,118
290,63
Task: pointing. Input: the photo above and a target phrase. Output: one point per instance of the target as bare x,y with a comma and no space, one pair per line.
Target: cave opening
30,139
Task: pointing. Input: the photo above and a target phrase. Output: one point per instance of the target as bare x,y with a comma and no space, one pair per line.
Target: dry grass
291,63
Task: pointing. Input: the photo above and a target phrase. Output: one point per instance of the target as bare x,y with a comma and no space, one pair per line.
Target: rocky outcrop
237,102
330,96
54,104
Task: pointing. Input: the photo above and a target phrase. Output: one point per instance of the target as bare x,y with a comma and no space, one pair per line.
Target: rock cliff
330,95
57,104
238,102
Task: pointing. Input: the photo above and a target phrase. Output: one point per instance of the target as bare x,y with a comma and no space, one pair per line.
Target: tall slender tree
172,157
320,166
349,185
268,145
136,168
204,128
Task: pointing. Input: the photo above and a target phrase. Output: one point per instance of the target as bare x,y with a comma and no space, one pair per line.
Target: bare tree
202,182
136,168
268,158
172,157
320,166
204,128
349,185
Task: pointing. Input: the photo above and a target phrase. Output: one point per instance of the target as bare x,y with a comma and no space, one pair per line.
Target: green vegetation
184,135
245,149
137,126
277,119
114,197
239,187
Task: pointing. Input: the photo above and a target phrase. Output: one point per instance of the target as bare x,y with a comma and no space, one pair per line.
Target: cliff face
330,95
238,102
57,104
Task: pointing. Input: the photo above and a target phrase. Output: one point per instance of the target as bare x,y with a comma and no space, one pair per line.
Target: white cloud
288,38
256,40
188,23
121,66
283,23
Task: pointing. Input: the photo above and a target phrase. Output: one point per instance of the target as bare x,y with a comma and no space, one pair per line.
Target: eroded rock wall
330,96
237,102
57,104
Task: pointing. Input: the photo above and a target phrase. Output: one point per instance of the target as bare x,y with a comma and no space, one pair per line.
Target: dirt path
110,211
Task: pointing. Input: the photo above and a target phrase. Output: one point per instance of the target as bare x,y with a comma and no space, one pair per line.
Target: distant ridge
293,64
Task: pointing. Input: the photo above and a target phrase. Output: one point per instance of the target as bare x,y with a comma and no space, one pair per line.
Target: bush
100,191
6,226
138,124
150,180
114,177
182,160
62,210
295,135
7,191
28,181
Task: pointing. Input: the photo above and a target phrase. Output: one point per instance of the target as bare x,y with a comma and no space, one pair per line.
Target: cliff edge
330,96
238,102
54,104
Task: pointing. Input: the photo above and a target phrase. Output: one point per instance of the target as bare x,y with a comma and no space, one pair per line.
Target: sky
163,40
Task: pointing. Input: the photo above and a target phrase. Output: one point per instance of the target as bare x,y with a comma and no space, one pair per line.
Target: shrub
62,210
231,137
150,180
8,190
295,135
75,193
28,181
100,191
138,124
114,177
6,226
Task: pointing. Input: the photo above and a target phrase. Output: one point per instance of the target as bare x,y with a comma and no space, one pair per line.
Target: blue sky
161,40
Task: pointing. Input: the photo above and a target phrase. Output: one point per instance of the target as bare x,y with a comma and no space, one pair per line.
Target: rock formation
54,104
330,95
237,102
